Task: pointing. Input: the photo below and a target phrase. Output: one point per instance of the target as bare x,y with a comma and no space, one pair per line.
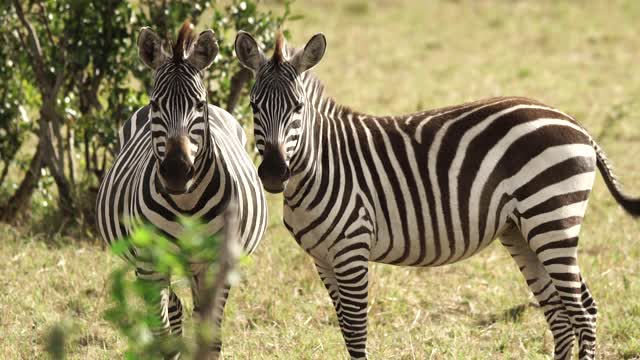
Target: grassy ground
394,57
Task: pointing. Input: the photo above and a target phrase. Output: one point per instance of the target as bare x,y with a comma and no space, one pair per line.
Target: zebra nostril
163,168
190,171
285,174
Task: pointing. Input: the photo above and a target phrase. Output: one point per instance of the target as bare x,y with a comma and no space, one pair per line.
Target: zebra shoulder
223,119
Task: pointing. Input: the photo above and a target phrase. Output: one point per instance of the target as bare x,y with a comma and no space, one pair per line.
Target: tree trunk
7,163
52,161
71,155
21,199
5,171
87,156
238,80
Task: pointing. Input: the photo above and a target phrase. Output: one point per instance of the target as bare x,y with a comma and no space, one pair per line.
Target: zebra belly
422,249
416,249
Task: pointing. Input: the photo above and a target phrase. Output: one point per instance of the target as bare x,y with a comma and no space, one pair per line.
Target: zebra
426,189
180,157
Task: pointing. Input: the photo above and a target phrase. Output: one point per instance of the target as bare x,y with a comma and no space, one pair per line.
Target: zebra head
179,110
279,102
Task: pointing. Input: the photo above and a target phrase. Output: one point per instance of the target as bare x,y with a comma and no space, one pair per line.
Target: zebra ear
248,51
150,49
311,55
204,51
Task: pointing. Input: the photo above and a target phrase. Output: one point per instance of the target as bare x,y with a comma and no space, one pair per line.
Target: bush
77,78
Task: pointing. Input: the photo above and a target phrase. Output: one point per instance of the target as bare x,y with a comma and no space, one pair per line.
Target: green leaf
142,237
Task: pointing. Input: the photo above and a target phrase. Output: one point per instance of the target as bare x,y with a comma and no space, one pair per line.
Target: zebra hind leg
544,291
555,244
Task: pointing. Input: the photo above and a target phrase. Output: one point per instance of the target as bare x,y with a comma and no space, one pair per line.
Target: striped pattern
179,95
131,192
433,188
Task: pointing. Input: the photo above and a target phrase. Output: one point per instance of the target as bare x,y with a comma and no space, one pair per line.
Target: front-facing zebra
426,189
180,157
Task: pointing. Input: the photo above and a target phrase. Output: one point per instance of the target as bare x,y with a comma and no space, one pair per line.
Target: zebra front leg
169,311
544,291
217,311
349,296
329,280
350,266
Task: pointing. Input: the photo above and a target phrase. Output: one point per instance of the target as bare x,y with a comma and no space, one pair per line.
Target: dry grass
396,57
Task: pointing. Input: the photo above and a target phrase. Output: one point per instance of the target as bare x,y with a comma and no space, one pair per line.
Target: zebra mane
184,43
312,80
278,55
282,51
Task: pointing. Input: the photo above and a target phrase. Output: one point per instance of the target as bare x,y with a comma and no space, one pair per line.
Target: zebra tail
628,203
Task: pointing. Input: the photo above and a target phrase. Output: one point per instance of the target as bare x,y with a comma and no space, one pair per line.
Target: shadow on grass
513,314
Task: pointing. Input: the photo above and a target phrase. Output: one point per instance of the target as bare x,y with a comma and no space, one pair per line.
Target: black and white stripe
429,189
132,192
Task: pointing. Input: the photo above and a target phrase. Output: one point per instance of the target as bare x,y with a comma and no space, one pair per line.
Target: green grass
389,57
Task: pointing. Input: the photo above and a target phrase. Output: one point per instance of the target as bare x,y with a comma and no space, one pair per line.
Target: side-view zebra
180,157
426,189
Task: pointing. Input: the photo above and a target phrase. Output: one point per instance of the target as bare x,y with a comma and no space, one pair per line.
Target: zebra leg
347,284
329,280
544,291
587,300
169,310
217,311
555,244
349,275
174,317
587,332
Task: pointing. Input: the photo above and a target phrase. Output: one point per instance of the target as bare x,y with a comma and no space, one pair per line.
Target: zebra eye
200,106
154,106
298,108
254,107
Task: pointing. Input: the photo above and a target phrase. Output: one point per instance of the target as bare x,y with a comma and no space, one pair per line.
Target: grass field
395,57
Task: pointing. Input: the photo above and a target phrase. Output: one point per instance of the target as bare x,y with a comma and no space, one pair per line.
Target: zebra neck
318,134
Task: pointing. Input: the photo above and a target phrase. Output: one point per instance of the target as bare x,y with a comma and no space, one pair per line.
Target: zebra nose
164,171
176,166
176,173
273,171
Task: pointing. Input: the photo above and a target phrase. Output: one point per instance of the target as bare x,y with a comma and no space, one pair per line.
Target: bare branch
61,45
43,13
229,253
34,49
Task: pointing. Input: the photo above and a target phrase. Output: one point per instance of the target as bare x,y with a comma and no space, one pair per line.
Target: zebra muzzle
274,171
176,169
